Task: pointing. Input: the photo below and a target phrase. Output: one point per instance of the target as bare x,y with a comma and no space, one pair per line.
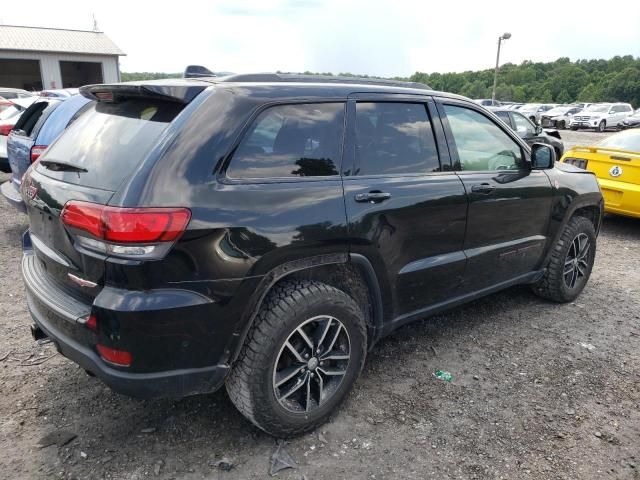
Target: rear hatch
81,171
22,137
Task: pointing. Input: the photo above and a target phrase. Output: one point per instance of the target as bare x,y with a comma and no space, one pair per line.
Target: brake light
36,151
128,232
117,357
5,129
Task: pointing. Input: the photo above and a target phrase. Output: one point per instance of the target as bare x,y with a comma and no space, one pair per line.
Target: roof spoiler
177,91
197,71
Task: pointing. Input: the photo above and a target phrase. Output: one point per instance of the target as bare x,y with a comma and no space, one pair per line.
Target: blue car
37,128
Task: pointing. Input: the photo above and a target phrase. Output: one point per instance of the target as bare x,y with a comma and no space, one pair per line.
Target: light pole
504,36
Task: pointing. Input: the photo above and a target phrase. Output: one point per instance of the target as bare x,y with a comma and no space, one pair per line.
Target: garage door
77,74
23,74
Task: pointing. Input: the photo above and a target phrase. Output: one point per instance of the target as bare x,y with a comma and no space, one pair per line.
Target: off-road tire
250,382
552,285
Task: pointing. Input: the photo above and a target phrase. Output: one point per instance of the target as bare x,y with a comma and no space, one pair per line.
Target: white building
47,58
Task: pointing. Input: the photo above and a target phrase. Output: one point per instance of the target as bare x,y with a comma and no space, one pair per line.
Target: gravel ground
540,391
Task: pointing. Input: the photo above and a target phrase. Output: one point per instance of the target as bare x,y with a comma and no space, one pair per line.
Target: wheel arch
351,273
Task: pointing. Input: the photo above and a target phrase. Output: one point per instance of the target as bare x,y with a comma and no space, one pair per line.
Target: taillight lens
117,357
36,151
5,129
127,232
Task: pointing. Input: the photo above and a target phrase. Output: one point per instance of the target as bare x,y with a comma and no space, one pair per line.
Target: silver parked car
533,111
559,117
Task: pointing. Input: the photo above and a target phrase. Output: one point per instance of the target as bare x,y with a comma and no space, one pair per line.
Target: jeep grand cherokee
264,232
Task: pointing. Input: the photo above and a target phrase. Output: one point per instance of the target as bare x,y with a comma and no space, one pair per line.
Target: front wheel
562,125
571,262
300,359
602,126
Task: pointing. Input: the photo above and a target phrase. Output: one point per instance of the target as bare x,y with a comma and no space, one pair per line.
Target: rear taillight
5,129
125,232
36,151
117,357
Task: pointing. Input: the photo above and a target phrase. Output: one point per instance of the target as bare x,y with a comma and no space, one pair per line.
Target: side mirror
538,129
543,157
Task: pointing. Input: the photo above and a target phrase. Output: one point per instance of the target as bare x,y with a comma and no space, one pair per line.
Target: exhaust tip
37,333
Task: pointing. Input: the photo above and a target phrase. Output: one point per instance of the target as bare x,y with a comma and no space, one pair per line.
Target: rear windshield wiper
61,166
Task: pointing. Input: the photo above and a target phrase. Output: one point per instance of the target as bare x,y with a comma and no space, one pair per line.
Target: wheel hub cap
312,364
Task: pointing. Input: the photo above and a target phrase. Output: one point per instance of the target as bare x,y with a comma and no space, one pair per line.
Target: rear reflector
126,225
117,357
36,151
92,322
5,129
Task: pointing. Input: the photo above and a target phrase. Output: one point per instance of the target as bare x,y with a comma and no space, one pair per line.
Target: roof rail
300,78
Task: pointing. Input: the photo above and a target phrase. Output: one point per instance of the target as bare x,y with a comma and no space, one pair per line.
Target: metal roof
38,39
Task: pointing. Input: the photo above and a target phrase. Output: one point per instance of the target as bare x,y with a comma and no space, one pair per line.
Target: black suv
265,231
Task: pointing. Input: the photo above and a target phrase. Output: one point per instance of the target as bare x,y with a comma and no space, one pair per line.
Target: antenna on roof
95,23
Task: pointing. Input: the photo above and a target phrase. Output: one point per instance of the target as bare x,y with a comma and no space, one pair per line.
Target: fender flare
281,271
579,202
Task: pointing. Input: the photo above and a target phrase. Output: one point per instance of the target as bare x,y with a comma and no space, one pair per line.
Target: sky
373,37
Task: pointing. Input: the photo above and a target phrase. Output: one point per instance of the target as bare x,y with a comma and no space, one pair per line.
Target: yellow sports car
616,162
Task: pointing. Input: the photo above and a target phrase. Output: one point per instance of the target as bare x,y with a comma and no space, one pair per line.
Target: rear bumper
621,198
62,318
10,191
176,383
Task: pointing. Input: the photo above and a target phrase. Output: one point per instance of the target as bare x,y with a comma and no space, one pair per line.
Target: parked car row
32,124
597,116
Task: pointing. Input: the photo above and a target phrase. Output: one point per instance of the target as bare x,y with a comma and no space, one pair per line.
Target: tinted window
394,138
480,143
291,141
109,141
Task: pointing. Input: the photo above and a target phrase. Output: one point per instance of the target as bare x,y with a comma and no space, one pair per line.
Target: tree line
561,81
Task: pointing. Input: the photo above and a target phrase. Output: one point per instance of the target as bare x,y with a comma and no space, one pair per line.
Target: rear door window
110,140
303,140
394,138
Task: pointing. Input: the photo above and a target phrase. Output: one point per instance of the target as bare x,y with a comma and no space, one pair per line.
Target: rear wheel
601,126
571,262
301,358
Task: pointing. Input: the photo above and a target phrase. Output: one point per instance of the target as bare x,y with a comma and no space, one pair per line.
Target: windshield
109,141
598,108
531,107
629,140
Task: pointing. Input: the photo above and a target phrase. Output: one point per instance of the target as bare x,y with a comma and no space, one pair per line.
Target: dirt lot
540,391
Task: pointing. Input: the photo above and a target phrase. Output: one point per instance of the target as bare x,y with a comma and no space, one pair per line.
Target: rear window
110,140
30,117
291,141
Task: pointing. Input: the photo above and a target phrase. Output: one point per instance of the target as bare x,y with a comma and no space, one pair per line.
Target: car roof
283,87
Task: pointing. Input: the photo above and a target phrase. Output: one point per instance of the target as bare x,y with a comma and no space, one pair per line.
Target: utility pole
504,36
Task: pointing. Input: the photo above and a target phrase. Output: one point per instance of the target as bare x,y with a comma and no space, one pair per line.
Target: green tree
591,93
564,97
624,87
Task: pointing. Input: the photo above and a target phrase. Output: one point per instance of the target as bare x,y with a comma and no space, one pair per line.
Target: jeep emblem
615,171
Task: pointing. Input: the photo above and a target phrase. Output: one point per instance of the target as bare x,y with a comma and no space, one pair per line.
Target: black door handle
373,197
484,188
